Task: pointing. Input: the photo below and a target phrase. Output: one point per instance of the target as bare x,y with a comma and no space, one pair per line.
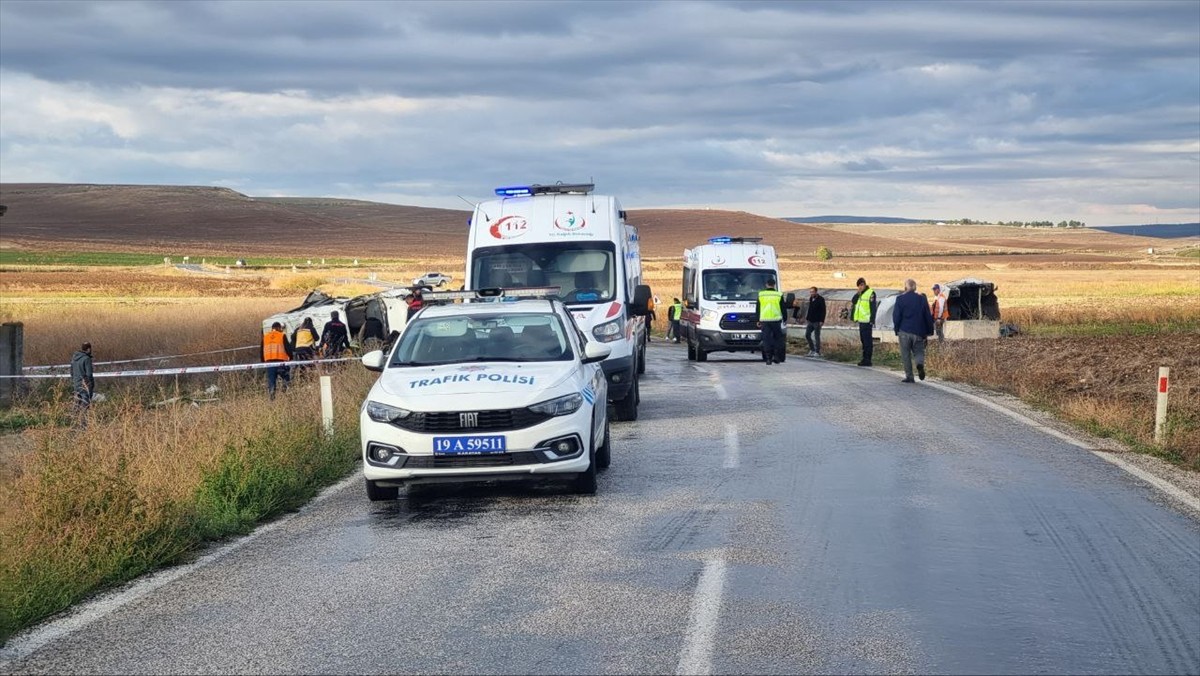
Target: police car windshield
735,284
519,337
584,271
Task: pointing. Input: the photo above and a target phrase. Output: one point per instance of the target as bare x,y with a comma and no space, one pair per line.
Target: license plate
479,445
744,336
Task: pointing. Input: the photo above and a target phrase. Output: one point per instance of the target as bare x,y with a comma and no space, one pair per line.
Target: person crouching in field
276,348
335,338
83,381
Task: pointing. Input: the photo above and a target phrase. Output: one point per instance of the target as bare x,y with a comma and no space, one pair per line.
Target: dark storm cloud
677,102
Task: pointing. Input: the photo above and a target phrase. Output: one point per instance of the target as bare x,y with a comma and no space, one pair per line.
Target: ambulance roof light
536,189
726,239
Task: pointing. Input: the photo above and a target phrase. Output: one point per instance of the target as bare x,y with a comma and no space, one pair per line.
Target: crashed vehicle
972,298
372,316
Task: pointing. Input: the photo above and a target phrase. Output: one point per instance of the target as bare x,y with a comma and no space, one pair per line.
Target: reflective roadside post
1160,412
327,405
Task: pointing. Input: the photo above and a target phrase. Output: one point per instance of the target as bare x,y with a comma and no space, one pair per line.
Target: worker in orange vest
941,311
276,349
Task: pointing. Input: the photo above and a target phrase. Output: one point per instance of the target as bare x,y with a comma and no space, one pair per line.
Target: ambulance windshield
735,284
583,272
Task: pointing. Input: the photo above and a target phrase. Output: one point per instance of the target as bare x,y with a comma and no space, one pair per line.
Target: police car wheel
585,482
604,452
377,493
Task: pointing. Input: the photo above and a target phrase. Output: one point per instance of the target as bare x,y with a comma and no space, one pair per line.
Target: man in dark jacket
83,381
814,319
335,338
913,323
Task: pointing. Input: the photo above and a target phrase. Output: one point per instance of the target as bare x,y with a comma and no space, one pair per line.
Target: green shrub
823,253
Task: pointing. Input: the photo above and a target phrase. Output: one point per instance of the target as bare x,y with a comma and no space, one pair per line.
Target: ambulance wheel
627,408
691,351
604,452
377,493
585,482
701,355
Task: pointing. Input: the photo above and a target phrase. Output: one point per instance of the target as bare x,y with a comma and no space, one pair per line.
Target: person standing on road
913,323
770,321
673,315
864,306
275,349
814,319
940,310
83,381
304,340
335,338
653,303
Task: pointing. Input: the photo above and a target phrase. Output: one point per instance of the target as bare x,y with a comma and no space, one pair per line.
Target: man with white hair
913,323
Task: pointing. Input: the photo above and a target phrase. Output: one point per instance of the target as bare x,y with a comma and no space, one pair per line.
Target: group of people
304,344
914,319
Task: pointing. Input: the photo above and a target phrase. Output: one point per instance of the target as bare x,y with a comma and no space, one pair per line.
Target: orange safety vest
273,346
945,313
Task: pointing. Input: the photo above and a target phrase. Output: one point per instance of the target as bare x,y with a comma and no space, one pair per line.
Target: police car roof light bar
734,240
494,294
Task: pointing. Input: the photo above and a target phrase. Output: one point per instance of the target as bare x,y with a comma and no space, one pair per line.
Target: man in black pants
814,318
862,311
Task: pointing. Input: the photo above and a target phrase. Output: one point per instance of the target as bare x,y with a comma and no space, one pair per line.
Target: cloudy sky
1006,110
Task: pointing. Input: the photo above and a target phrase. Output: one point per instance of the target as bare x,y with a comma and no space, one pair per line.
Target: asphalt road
799,518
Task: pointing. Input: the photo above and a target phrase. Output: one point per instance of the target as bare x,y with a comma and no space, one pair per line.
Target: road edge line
31,640
705,611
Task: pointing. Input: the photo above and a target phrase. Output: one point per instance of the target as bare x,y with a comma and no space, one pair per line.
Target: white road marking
23,645
731,446
1170,489
696,657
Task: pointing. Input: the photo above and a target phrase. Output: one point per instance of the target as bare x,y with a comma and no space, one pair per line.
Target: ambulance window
584,272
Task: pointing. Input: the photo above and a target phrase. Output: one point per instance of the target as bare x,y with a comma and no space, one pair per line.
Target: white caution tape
131,361
192,369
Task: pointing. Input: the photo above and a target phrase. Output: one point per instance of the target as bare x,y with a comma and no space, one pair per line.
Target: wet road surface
799,518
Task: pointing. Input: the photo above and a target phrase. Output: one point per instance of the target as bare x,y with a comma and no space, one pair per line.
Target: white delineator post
1160,413
327,404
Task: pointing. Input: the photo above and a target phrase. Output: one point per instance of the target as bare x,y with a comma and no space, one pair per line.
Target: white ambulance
566,236
721,281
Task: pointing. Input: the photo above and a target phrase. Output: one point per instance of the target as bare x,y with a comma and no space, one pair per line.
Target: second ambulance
721,281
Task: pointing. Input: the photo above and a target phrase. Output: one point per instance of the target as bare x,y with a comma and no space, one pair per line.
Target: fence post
327,405
1160,412
12,349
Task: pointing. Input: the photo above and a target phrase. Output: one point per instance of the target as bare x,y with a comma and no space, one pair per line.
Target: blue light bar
515,191
720,240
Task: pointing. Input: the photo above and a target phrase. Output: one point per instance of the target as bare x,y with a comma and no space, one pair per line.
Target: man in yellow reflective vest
770,321
276,349
863,307
674,314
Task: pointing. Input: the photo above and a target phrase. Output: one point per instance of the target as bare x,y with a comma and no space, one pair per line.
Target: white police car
486,391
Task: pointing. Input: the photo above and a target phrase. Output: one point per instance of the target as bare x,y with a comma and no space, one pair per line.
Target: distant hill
857,219
1160,230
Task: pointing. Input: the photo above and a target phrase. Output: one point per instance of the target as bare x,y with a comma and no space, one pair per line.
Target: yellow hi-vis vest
862,309
273,349
678,307
769,306
304,338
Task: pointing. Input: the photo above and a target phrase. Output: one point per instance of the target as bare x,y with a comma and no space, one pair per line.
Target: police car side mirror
373,360
594,352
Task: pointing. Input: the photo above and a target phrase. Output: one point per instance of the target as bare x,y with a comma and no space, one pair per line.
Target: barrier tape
191,369
130,361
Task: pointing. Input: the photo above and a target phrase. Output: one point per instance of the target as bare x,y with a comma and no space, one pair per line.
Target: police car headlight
610,331
708,316
564,405
384,413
